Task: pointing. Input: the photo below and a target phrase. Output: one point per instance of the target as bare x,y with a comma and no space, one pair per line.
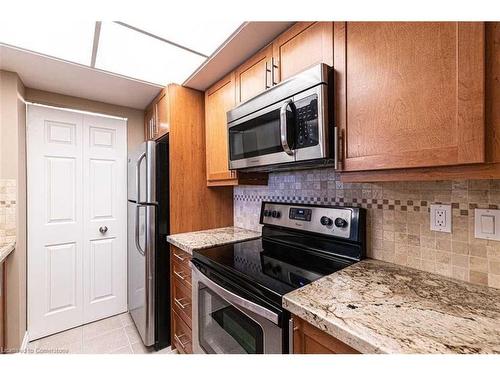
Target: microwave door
265,137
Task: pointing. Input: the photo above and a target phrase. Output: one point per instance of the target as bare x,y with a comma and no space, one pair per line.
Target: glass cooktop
275,267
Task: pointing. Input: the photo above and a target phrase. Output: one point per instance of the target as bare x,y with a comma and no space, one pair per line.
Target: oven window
225,329
259,136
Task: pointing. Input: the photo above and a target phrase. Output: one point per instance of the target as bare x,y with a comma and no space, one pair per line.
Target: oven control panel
334,221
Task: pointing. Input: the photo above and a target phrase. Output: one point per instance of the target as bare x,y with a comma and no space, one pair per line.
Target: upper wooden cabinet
255,75
156,119
303,45
219,99
410,94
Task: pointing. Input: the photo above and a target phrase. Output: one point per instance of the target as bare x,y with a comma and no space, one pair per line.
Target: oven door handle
235,299
283,127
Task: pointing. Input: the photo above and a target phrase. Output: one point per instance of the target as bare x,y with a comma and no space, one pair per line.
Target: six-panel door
76,186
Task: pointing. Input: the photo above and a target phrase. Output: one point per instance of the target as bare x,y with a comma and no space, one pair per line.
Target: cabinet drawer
182,336
180,256
181,274
181,302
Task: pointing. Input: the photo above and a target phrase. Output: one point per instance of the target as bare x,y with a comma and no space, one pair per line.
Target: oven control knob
267,213
276,269
340,223
276,214
326,221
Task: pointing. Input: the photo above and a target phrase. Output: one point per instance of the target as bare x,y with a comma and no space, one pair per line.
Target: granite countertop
378,307
5,249
212,237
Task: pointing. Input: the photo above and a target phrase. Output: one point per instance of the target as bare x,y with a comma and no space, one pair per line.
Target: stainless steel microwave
286,127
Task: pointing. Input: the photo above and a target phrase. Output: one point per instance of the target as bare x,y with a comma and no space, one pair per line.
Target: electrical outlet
441,218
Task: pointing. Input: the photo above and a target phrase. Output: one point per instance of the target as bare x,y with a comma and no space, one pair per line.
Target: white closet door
55,220
76,185
105,217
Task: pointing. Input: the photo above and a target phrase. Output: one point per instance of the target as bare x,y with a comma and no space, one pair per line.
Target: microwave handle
283,127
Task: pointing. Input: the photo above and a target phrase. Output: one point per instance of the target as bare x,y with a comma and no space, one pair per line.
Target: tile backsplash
7,210
398,226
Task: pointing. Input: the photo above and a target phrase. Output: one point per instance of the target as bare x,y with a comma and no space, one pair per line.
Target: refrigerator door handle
137,241
138,176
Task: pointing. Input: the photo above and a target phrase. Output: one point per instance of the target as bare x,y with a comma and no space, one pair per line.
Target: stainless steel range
238,288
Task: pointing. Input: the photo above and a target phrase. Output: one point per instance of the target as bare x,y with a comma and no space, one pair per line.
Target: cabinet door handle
337,141
178,339
180,275
179,303
268,75
179,257
274,74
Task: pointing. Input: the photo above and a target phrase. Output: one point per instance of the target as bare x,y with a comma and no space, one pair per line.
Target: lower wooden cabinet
308,339
182,338
180,300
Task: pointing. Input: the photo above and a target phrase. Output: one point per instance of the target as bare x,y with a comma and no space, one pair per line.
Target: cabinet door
308,339
410,94
148,122
254,76
303,45
162,123
219,99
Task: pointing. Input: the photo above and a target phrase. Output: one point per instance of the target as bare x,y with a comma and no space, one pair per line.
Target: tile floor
114,335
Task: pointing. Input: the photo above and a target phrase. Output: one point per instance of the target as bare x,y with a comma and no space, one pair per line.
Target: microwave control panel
306,112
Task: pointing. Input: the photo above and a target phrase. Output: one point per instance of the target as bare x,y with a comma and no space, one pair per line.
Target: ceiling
127,65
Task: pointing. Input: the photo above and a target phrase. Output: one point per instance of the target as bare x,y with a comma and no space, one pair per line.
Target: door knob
103,229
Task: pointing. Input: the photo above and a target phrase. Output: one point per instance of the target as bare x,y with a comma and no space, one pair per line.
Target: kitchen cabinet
189,193
303,45
410,94
219,99
255,75
156,117
308,339
180,302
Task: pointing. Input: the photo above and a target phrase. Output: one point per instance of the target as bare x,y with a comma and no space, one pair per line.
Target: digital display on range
303,214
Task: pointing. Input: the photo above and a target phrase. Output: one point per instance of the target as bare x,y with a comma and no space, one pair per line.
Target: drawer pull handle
179,257
178,339
179,303
180,275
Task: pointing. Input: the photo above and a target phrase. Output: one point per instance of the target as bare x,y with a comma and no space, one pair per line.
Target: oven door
263,138
225,323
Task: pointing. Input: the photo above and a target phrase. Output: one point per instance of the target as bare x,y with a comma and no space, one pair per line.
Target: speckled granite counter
212,237
377,307
6,249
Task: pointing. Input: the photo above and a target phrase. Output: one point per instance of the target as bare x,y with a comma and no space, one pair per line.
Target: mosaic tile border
458,208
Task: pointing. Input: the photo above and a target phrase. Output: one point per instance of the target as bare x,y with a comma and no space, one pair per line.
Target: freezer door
141,269
142,174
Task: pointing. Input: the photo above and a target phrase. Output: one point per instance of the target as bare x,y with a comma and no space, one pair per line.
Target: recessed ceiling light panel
68,40
201,36
128,52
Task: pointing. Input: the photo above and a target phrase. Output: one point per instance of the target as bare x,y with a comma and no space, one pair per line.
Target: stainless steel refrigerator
148,251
